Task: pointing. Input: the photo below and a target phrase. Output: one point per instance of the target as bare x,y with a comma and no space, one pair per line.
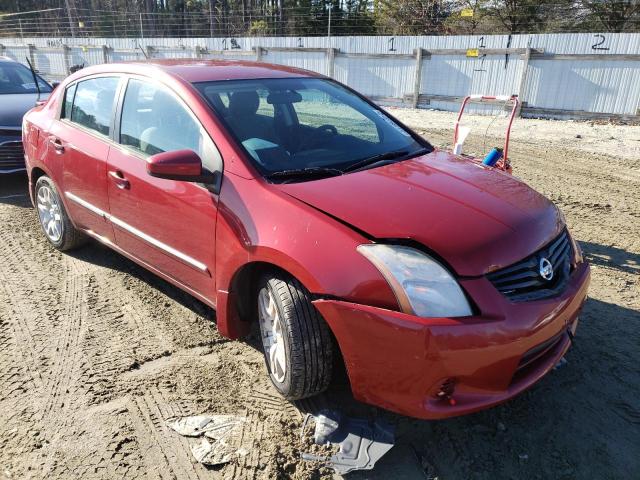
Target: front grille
523,281
11,155
10,132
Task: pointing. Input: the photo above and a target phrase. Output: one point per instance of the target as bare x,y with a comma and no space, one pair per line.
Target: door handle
118,178
57,145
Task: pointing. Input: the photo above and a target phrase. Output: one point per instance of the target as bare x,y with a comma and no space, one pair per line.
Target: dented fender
314,248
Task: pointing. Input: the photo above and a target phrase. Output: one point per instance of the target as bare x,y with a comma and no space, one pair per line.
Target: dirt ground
96,353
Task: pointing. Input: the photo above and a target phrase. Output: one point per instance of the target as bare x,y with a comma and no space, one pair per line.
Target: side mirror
176,165
183,165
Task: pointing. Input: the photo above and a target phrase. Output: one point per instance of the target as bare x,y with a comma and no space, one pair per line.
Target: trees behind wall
228,18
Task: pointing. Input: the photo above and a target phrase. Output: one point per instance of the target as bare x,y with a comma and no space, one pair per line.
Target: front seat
244,119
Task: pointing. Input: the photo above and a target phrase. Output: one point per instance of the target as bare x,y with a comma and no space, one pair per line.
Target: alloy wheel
49,213
272,334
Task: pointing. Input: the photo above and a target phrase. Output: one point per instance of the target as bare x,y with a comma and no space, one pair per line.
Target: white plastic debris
213,426
224,430
216,453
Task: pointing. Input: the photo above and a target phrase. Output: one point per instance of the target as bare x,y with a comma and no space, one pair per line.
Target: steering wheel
318,134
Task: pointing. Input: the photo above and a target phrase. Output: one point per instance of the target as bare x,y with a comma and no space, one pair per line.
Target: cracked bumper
399,362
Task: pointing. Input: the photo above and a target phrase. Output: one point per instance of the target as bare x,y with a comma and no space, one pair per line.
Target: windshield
16,78
307,127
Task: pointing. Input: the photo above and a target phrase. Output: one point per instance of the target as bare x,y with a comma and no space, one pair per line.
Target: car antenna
142,50
35,78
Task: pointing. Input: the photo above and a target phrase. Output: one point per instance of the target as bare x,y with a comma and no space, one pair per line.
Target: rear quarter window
68,101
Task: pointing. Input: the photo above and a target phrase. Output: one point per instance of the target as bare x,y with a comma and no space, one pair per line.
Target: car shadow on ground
14,189
611,257
98,254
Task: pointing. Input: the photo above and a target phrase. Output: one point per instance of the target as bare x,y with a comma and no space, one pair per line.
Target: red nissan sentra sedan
282,197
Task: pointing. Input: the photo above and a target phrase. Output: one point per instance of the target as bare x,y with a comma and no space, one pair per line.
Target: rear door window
93,104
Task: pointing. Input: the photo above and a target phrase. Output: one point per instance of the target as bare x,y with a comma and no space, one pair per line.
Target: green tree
411,17
612,15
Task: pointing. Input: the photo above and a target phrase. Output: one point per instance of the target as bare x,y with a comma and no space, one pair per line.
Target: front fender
257,223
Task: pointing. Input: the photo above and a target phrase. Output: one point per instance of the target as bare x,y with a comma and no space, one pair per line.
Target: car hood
477,219
14,106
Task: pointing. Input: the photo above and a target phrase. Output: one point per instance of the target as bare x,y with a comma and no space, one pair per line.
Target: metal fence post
150,50
65,58
418,77
331,61
258,51
1,50
105,53
523,80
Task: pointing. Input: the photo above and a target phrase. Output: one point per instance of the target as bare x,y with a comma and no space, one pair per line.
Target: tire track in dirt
12,375
30,297
250,466
167,454
61,396
120,336
67,354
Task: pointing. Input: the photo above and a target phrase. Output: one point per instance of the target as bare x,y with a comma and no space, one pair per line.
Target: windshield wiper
305,173
382,157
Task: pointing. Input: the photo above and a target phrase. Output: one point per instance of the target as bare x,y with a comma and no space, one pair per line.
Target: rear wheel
55,222
297,343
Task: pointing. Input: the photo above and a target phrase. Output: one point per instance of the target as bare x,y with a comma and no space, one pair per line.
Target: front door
81,140
170,225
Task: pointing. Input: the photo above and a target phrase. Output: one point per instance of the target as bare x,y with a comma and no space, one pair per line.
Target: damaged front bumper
442,367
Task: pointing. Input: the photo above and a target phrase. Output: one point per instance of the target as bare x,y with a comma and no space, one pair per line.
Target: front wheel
297,343
56,224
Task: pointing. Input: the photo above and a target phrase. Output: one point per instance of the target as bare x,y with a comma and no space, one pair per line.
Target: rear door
81,139
170,225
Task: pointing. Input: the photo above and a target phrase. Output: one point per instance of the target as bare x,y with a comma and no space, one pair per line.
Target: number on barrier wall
597,45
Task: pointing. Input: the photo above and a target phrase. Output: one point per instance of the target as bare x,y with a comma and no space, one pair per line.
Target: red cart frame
504,163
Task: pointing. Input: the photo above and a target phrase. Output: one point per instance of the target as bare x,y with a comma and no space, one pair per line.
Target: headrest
244,103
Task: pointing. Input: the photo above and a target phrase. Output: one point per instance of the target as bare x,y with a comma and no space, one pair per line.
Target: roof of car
195,70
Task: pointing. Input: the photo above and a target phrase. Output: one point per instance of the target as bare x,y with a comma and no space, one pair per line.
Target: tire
54,220
307,343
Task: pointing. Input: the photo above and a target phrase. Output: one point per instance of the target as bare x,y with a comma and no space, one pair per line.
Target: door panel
167,224
84,184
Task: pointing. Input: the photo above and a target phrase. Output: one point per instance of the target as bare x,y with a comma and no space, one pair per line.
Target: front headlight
422,285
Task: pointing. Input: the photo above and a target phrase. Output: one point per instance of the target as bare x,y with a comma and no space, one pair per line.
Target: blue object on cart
492,157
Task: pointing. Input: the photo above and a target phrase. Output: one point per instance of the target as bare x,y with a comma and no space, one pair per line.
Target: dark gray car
18,94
